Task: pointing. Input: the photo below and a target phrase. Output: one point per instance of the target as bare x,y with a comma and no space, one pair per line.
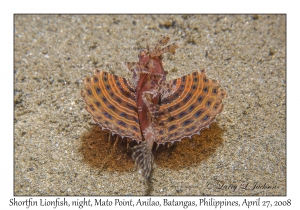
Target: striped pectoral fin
192,107
111,102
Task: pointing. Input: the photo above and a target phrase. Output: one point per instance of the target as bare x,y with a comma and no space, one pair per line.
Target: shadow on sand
115,155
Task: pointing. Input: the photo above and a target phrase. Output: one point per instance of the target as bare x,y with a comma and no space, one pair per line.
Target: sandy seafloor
59,150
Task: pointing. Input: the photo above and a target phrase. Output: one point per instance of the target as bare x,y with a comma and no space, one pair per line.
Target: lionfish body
149,109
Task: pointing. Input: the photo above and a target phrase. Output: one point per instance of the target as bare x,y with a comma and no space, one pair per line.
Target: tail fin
143,158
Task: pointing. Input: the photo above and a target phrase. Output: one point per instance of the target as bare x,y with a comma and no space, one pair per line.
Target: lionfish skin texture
150,109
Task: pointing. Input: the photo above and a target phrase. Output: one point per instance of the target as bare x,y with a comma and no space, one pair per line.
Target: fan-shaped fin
110,99
192,106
